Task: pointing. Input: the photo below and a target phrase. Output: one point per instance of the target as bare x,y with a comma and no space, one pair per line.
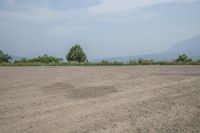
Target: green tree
76,54
183,59
4,57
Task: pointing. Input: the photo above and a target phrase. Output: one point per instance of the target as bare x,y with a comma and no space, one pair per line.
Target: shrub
133,62
145,62
118,63
104,62
4,57
40,60
183,59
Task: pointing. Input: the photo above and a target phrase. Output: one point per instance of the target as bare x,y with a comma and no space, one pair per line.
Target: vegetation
183,59
4,58
145,62
76,54
77,57
40,60
107,63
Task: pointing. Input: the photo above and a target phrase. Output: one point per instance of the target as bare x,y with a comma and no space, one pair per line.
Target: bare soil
127,99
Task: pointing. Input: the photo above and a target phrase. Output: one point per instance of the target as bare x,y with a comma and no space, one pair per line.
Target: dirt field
135,99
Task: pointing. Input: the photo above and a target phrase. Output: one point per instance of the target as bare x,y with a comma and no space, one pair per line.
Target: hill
190,47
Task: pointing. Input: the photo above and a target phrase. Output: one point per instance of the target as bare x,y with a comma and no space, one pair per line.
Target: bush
145,62
4,57
183,59
107,63
163,63
133,62
74,63
104,62
45,59
118,63
40,60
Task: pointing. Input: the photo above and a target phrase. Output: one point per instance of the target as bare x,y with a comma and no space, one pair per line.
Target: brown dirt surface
118,99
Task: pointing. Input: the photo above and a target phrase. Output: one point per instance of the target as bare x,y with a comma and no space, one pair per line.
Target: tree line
77,57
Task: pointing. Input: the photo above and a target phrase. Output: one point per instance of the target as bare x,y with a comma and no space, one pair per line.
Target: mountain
190,47
156,57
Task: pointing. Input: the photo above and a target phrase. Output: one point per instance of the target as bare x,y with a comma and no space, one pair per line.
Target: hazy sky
104,28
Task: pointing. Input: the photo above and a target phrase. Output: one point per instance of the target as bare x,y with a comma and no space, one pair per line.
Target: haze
104,28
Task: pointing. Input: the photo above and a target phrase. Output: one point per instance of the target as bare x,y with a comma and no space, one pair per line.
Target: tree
183,59
76,54
4,57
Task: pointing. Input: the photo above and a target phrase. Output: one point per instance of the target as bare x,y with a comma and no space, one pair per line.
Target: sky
104,28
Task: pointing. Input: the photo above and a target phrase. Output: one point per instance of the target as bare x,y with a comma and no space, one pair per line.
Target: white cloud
8,2
107,7
102,10
34,15
34,12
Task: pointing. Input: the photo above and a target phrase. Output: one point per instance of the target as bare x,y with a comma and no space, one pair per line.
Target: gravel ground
126,99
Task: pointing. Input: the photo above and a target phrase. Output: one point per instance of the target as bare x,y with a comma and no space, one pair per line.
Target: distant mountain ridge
190,47
16,57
